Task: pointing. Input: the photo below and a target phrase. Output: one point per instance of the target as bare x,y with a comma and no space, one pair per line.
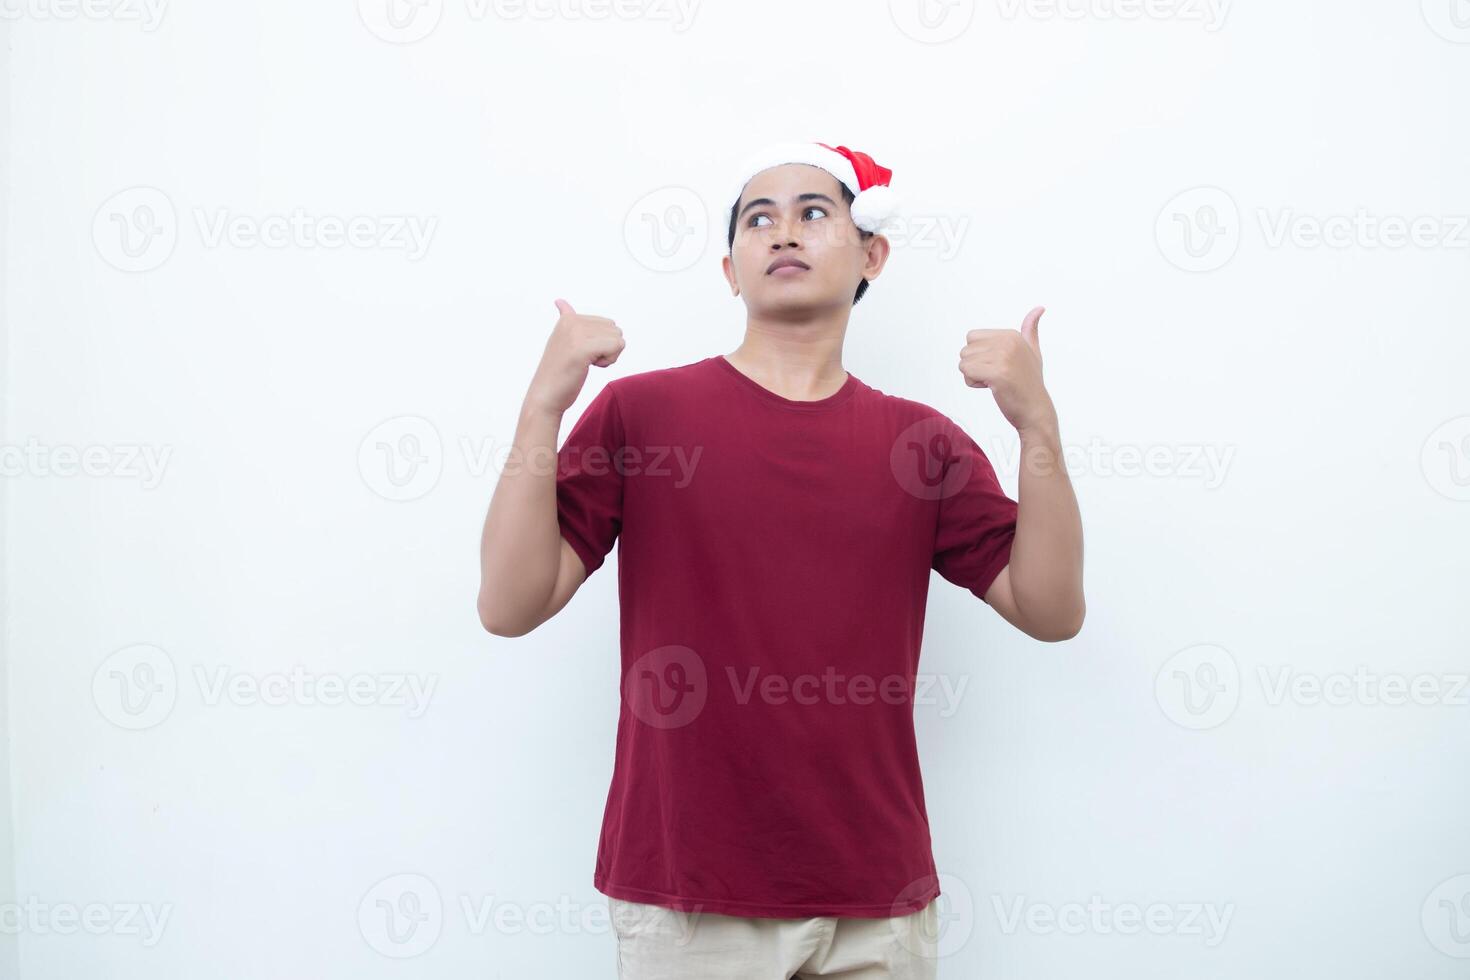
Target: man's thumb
565,308
1030,328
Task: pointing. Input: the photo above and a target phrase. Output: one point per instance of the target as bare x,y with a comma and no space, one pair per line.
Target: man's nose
785,238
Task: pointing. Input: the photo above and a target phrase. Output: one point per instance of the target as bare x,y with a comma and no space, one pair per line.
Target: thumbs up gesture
1008,362
577,342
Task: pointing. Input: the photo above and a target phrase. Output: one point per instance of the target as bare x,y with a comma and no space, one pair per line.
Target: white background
1049,156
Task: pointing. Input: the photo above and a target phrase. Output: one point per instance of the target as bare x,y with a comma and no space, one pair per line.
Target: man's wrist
1044,427
1041,447
535,412
1048,431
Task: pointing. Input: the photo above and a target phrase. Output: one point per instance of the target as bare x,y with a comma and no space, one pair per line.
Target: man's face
796,212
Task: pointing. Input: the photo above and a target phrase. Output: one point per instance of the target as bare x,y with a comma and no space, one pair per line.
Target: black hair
847,198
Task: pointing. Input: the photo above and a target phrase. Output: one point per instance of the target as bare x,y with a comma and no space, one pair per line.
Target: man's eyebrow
810,196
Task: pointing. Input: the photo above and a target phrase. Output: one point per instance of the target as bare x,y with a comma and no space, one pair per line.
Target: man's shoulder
906,411
648,389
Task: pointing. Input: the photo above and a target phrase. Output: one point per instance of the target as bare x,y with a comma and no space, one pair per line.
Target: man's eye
821,212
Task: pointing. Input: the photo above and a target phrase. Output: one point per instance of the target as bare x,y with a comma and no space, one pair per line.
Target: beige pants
657,943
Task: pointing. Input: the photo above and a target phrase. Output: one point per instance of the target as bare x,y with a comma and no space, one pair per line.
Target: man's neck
800,361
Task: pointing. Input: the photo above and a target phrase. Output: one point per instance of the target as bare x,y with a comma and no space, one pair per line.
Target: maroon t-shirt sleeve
589,481
977,521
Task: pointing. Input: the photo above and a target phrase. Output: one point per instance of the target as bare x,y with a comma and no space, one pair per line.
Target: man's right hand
577,342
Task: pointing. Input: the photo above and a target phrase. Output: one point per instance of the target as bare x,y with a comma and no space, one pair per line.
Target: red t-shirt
774,561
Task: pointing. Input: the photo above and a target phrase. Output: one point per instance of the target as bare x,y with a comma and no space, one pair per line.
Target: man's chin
789,304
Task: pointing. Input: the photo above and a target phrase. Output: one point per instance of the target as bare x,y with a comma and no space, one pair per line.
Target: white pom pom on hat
874,203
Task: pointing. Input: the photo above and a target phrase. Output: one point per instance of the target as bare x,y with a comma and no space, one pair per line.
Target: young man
777,522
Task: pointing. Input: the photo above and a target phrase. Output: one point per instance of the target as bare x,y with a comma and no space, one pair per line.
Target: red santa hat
874,203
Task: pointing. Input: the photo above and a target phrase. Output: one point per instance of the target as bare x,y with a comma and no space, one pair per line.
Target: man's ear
729,266
876,258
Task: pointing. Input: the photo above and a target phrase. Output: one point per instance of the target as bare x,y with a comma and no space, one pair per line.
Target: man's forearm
1046,555
520,547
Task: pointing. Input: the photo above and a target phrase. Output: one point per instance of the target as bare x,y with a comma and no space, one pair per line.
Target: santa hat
874,202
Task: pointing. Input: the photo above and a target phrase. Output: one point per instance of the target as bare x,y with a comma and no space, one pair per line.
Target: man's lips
786,263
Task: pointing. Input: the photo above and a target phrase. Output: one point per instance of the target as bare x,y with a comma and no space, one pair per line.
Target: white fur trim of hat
874,204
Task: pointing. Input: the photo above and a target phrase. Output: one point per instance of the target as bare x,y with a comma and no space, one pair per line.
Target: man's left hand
1008,362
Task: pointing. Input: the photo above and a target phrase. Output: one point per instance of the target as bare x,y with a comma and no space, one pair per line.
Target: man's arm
1040,590
528,571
